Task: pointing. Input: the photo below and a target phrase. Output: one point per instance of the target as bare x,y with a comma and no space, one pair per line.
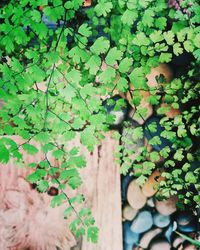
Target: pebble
150,202
182,60
87,3
124,185
144,104
135,196
149,188
168,233
118,107
166,207
186,222
128,247
190,247
162,69
50,24
142,223
159,129
160,220
160,245
130,237
127,139
147,237
129,213
191,227
184,218
177,241
170,112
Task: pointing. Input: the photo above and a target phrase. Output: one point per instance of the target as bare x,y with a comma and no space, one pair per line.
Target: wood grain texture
101,187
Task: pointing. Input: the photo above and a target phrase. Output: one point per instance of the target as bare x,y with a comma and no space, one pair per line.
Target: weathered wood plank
102,190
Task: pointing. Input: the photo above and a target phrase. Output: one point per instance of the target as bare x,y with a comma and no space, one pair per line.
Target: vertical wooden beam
101,187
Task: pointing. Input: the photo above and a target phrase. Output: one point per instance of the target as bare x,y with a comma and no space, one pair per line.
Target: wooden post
101,187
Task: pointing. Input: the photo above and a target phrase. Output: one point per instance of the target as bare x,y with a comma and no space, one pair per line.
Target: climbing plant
61,60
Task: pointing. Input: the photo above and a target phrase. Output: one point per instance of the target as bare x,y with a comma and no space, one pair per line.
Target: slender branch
77,91
47,97
73,129
67,197
51,75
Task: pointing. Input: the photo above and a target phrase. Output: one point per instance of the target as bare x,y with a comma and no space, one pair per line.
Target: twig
73,129
68,199
51,75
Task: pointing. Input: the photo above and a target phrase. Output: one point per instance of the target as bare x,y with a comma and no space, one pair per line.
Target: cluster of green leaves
53,82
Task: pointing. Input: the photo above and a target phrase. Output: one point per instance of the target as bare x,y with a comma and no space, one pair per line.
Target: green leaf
58,153
137,78
122,85
88,138
100,46
113,56
77,161
188,46
197,41
8,43
68,212
181,35
186,167
107,75
179,155
141,39
74,76
92,234
141,180
68,173
42,137
169,37
37,175
85,30
129,16
58,200
79,232
8,129
190,178
155,141
16,65
75,182
36,15
165,57
177,49
103,8
196,54
30,149
154,156
68,93
147,18
178,26
93,64
161,23
125,65
42,186
4,154
157,36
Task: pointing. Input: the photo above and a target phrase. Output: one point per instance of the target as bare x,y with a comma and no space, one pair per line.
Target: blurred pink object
27,222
